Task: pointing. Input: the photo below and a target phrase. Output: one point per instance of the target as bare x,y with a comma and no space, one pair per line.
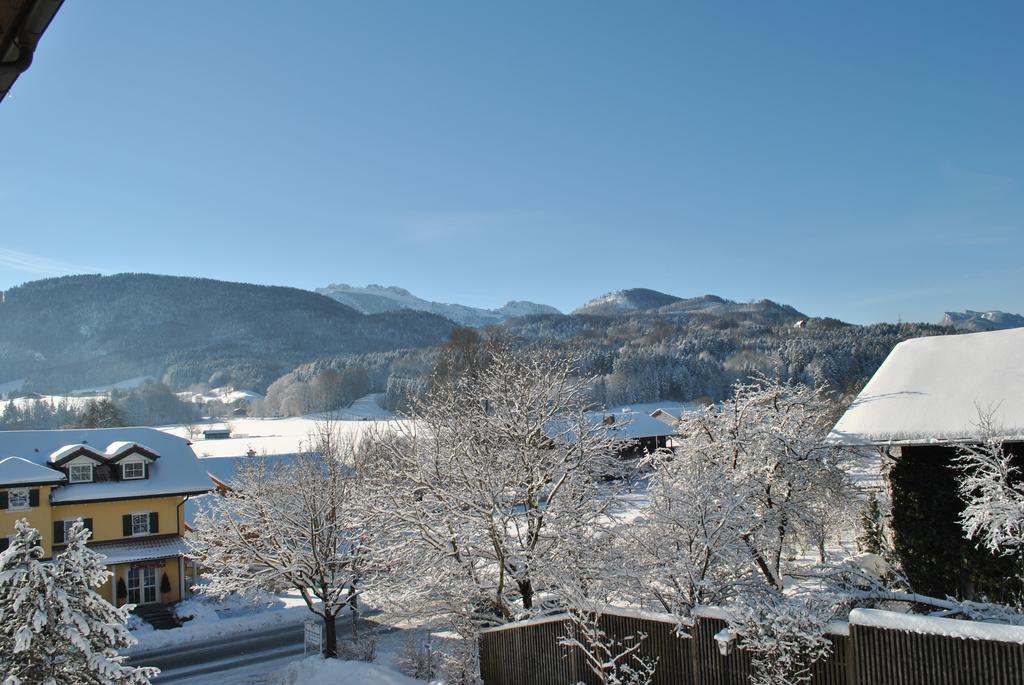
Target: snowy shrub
415,657
783,635
460,664
993,488
195,608
361,648
612,661
138,625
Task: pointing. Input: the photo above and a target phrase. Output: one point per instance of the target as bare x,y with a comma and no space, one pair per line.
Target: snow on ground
674,408
227,395
120,385
218,620
77,402
316,670
288,435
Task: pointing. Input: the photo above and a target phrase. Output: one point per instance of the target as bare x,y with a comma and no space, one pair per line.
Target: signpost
313,638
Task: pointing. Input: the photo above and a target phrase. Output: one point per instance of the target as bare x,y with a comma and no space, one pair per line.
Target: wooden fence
530,654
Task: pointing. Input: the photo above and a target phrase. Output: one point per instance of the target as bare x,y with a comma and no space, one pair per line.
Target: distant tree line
640,358
151,404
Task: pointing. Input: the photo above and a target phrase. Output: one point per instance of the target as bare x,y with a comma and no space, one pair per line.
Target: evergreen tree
101,414
54,628
872,537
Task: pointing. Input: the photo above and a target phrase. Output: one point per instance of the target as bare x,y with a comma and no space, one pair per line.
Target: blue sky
858,160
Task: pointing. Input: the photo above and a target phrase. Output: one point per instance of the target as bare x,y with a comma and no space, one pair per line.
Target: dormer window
80,473
18,498
133,470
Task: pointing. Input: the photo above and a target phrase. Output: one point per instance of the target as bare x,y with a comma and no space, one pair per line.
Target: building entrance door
142,587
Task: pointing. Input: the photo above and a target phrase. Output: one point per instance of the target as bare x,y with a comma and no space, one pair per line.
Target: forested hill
80,331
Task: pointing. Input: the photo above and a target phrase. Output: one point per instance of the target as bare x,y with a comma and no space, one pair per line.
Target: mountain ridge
375,298
78,331
991,320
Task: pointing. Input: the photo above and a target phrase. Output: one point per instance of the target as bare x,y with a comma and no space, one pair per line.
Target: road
191,661
212,660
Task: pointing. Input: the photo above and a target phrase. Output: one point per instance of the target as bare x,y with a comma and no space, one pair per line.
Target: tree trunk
354,610
330,637
526,591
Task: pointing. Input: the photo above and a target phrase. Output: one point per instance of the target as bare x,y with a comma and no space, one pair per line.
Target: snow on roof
141,550
632,425
930,625
931,390
224,469
665,417
68,450
18,471
176,472
116,449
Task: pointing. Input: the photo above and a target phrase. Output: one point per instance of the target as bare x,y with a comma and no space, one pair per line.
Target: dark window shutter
33,497
58,532
3,499
88,524
126,525
154,523
145,471
4,544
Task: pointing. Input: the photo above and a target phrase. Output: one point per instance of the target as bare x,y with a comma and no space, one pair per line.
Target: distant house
920,407
217,433
127,485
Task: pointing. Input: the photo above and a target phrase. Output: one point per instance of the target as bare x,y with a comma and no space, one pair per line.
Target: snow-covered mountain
981,321
642,300
625,301
374,299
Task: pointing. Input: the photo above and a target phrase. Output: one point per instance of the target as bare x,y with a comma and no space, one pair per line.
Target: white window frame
136,529
20,493
71,472
124,470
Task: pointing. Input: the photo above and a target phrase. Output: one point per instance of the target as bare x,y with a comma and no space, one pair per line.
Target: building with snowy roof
637,432
929,391
931,397
128,485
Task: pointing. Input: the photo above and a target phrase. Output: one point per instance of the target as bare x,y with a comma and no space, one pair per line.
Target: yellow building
128,485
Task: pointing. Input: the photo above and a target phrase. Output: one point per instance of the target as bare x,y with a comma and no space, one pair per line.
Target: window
133,470
17,499
140,524
80,473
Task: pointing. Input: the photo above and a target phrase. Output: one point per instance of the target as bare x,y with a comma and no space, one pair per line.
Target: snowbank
212,620
316,670
946,627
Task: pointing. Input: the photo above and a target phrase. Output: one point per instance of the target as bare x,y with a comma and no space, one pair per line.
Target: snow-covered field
284,436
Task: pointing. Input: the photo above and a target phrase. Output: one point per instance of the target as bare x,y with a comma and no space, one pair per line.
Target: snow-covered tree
587,585
54,628
746,486
872,527
495,480
993,488
298,524
784,636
